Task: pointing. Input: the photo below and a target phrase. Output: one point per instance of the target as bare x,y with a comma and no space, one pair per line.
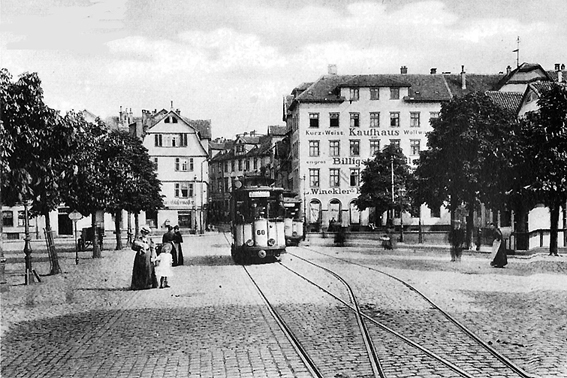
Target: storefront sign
335,191
178,202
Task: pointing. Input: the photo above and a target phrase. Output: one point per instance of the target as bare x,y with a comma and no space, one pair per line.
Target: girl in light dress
164,262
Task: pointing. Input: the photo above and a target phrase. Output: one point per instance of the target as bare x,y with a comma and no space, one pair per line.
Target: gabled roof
276,130
506,100
523,68
203,126
473,83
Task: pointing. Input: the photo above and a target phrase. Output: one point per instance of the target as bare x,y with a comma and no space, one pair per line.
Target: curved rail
468,332
384,327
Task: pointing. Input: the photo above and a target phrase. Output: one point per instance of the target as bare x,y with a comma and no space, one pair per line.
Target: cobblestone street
212,323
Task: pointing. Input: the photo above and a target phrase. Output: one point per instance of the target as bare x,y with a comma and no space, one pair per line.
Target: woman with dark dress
143,274
498,255
177,241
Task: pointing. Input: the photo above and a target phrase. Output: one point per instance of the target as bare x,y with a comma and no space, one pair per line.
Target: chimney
433,71
563,67
463,78
403,70
557,65
508,70
332,69
559,76
171,104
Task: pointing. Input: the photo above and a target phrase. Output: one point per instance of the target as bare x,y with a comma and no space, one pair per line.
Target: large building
339,121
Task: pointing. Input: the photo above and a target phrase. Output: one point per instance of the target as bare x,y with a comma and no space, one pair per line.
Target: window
226,166
334,177
354,119
354,94
333,119
255,163
155,163
240,149
314,178
374,146
184,165
183,189
375,119
226,186
354,176
355,148
8,218
395,142
313,119
191,164
239,164
433,115
232,165
415,147
158,140
415,119
334,148
435,213
375,93
183,140
21,218
247,164
394,93
395,119
313,148
177,164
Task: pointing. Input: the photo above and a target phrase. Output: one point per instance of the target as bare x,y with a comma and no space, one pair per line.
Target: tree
376,189
35,143
86,187
450,171
544,135
131,174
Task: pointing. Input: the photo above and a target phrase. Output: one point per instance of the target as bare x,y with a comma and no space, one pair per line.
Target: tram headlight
271,242
249,242
261,254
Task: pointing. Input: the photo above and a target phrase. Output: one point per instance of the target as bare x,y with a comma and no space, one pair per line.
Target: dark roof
506,100
474,83
203,126
422,87
554,74
277,130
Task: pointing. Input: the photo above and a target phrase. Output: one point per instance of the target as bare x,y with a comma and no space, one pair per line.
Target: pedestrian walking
177,243
456,239
168,238
164,263
143,273
498,258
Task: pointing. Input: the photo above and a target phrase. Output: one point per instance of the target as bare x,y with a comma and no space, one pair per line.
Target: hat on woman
145,229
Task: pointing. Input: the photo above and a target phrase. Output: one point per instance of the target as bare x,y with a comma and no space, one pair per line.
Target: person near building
457,239
143,273
498,258
177,243
164,263
167,238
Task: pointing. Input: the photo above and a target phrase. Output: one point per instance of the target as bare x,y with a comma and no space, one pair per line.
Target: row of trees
48,159
479,153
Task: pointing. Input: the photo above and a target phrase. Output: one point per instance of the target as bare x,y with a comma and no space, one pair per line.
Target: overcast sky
232,61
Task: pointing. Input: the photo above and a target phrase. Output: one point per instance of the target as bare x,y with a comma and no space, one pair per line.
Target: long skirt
143,273
498,255
177,254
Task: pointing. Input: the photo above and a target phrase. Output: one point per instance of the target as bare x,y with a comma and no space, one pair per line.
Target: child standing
164,263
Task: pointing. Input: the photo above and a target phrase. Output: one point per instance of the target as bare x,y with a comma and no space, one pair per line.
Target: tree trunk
117,221
96,248
470,226
136,225
554,219
52,252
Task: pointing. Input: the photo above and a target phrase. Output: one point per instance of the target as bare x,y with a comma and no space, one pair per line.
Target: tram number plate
259,194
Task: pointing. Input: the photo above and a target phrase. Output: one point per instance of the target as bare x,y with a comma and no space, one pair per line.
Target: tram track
513,369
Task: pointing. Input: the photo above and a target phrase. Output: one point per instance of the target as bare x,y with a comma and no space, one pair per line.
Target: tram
293,224
257,223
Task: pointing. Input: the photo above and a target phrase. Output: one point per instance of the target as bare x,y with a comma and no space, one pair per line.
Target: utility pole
393,200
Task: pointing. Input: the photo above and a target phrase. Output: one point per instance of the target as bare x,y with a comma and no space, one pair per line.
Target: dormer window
354,94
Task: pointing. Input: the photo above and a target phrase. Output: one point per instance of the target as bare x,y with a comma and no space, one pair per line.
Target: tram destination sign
259,194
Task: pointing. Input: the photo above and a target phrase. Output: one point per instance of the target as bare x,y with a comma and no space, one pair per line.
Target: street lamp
393,200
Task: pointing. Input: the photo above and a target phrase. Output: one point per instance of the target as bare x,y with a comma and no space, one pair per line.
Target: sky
233,61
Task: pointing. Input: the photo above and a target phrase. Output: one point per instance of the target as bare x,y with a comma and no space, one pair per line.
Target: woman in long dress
143,273
498,258
177,242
